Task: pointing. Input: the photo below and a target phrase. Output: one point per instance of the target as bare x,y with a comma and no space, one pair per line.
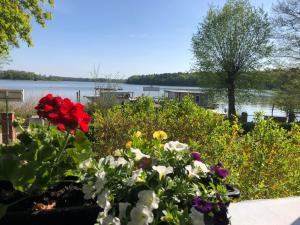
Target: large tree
287,22
15,21
232,40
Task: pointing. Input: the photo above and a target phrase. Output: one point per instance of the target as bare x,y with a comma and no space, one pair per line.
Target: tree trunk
231,96
291,117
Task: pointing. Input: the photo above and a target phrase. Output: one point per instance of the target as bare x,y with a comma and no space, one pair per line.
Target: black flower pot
86,215
220,217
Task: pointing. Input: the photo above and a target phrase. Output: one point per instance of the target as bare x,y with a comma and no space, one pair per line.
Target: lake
36,89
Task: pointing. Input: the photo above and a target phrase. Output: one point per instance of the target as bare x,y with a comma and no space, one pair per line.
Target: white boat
110,96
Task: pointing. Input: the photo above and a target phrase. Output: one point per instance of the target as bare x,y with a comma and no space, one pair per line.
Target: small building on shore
110,96
200,97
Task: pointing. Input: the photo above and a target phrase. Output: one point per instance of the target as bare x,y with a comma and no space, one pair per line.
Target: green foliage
15,21
264,163
184,120
287,95
41,158
287,24
232,40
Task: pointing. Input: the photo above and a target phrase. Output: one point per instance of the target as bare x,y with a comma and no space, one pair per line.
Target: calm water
36,89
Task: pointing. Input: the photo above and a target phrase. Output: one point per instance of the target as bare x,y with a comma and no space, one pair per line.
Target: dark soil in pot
70,207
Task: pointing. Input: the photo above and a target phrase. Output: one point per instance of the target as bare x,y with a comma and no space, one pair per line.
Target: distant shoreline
30,76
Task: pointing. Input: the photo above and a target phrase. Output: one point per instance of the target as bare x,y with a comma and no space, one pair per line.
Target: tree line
24,75
259,79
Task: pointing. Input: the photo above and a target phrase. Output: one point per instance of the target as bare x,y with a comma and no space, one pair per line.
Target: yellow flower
128,144
160,135
137,134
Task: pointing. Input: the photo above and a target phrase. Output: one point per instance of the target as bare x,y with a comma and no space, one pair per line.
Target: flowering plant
45,156
155,183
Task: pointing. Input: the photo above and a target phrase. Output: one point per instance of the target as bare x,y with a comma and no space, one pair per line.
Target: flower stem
63,148
60,153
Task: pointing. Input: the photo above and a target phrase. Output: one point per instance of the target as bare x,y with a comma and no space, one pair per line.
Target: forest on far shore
266,79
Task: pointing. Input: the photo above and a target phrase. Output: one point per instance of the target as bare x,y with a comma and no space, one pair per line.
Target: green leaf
8,167
3,209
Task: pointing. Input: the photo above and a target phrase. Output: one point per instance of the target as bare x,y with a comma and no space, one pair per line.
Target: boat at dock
110,96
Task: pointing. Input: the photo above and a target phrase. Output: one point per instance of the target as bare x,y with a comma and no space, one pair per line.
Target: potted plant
52,177
39,174
152,182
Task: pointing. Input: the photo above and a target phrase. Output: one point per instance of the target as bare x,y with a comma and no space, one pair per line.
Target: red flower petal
61,127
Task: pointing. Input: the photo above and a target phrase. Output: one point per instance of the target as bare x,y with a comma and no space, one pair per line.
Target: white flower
175,146
197,217
201,166
109,220
102,201
162,170
135,177
192,172
110,160
118,152
141,215
120,162
86,164
122,209
88,191
101,162
138,154
148,198
101,181
198,167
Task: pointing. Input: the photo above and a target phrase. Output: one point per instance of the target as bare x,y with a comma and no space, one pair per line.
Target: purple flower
220,171
202,205
196,156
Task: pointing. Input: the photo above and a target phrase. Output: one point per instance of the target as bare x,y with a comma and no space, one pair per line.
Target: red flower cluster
64,113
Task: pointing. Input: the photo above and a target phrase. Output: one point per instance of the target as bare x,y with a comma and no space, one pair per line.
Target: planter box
87,215
61,216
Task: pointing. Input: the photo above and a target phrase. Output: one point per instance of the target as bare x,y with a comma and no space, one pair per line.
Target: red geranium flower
68,115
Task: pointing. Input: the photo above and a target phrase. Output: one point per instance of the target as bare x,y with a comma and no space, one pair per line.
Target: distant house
110,96
200,97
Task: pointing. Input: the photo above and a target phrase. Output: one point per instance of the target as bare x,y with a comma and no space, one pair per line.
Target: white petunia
192,172
148,198
175,146
138,154
102,201
122,209
118,152
120,161
197,217
201,166
162,170
198,167
135,177
88,191
110,220
101,181
141,215
110,160
86,164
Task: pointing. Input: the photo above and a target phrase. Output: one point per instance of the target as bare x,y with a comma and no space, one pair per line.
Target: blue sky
124,37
